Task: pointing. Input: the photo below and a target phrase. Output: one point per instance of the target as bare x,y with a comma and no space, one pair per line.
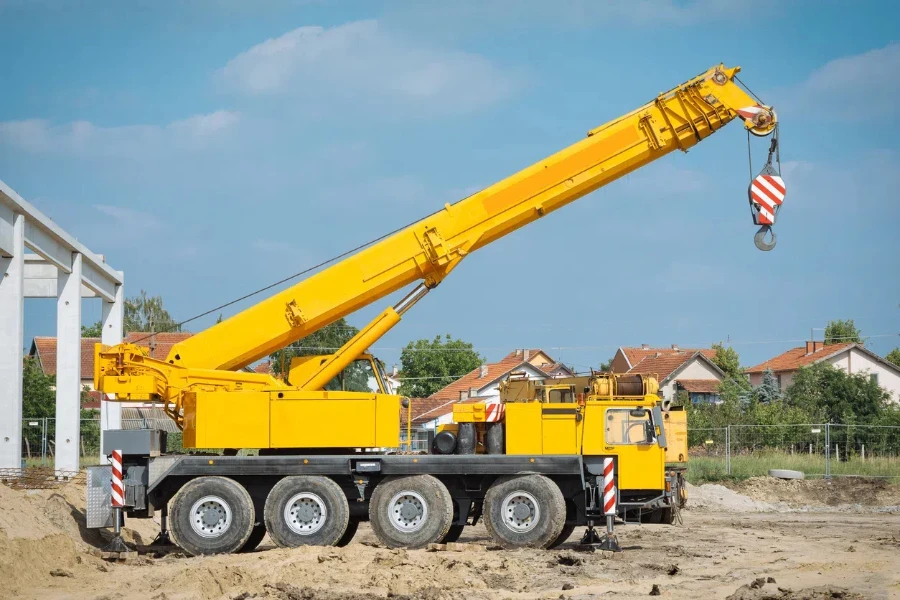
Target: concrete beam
68,369
96,282
41,279
45,234
6,232
112,318
12,346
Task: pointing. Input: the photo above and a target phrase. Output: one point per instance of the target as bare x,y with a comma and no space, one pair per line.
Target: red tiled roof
700,386
795,358
265,367
473,379
45,347
664,365
636,355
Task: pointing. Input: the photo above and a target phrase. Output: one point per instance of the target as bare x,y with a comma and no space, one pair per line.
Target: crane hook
760,238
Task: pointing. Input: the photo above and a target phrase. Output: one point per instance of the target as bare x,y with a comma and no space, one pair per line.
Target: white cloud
580,13
128,217
361,64
83,138
861,86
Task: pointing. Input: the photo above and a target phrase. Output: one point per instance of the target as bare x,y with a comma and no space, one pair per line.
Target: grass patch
712,468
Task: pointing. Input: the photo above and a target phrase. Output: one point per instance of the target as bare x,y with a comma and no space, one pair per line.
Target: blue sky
211,148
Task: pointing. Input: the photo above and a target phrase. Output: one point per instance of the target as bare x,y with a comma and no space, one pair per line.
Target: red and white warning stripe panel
118,491
493,412
609,488
768,192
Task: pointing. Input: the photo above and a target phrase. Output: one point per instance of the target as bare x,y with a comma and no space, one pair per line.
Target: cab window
629,426
561,395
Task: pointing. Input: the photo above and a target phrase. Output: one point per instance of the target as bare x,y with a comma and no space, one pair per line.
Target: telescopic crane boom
201,372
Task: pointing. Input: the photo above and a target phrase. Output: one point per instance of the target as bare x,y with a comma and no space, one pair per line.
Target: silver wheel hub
408,511
520,511
305,513
210,516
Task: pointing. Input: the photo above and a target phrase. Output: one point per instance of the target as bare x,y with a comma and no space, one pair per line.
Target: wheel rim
408,511
210,516
520,511
305,513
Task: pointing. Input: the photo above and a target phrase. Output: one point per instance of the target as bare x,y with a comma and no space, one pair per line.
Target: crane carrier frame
322,467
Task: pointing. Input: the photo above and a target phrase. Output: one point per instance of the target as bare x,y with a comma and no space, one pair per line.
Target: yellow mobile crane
308,485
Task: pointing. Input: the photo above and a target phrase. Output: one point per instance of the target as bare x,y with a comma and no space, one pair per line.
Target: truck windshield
629,426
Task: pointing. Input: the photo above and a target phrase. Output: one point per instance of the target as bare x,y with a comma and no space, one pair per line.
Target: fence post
44,442
728,449
827,450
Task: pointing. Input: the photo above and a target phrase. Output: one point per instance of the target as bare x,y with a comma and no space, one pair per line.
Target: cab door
561,418
631,434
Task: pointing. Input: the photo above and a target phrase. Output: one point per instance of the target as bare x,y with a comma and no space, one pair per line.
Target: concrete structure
61,268
850,357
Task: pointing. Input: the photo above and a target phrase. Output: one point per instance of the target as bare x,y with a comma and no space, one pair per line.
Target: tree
768,390
833,395
94,330
729,361
219,319
606,366
842,332
146,313
894,356
38,396
429,365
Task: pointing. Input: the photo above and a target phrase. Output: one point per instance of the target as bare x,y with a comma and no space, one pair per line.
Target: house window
874,378
778,378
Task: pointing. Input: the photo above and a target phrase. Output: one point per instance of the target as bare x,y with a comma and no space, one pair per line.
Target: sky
210,148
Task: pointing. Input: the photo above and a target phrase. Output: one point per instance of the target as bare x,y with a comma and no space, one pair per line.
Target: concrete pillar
12,342
68,369
113,313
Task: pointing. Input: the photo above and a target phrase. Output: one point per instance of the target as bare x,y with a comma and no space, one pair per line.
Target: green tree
842,332
768,390
833,395
146,313
429,365
38,396
324,341
894,356
94,330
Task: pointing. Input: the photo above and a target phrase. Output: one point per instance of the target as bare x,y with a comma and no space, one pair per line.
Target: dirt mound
836,492
712,496
762,590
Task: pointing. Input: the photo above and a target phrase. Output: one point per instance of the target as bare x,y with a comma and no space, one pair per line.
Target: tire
524,511
465,439
306,510
493,439
256,536
352,526
410,511
567,531
653,516
198,503
452,534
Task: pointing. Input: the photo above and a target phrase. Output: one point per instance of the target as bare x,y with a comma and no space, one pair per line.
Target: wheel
352,526
524,511
652,516
256,536
410,511
567,531
452,534
211,515
306,510
493,439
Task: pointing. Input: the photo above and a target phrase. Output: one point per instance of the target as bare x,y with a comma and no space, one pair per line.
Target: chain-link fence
817,450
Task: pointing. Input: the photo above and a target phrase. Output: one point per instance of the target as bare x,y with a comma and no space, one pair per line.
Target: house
850,357
482,384
677,369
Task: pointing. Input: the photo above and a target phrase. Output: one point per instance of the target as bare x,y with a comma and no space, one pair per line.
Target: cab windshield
629,426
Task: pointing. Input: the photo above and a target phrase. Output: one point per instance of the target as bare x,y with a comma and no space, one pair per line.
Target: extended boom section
426,251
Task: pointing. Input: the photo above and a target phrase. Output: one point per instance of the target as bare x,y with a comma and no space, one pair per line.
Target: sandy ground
774,539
